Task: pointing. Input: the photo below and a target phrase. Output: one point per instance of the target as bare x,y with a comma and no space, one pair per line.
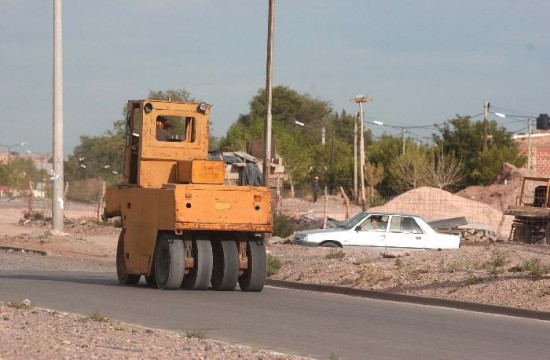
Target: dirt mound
435,204
503,192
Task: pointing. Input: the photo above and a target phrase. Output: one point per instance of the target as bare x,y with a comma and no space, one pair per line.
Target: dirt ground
30,332
499,273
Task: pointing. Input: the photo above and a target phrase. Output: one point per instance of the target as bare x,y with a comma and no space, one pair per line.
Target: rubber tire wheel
169,262
199,277
253,279
330,245
121,271
225,272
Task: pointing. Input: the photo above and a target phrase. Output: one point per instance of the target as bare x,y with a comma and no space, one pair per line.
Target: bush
335,255
535,268
473,280
37,215
273,265
282,225
495,265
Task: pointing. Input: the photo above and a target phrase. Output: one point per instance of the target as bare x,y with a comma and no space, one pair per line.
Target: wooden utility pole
485,124
360,99
355,157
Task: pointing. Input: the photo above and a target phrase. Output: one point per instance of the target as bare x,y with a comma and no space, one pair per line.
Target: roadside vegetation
454,159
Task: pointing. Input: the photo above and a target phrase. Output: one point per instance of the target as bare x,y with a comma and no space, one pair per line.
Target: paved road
291,321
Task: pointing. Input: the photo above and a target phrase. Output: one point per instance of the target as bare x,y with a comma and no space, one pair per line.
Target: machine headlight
202,107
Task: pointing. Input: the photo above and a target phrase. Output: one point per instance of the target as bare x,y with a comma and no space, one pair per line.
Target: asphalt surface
308,323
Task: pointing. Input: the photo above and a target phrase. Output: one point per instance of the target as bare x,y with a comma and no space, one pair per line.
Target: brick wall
540,151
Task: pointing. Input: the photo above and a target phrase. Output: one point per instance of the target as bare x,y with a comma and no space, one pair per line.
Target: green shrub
535,268
339,254
37,215
495,265
398,263
283,225
473,279
19,305
98,317
197,334
273,265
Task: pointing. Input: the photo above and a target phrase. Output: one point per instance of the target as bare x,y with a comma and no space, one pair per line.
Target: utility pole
355,156
360,99
58,178
268,95
486,106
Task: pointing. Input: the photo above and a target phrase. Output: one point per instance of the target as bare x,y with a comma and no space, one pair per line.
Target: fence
430,203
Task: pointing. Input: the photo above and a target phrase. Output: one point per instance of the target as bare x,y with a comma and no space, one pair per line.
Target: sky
422,62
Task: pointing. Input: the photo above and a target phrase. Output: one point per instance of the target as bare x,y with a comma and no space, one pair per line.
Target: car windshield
353,221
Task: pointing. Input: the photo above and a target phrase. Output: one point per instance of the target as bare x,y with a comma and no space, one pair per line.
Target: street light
9,149
502,115
42,158
323,130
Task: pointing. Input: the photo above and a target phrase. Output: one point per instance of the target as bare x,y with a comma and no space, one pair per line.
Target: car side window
404,224
375,223
408,224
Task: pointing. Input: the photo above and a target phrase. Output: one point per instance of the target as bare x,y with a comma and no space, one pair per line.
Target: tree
409,170
373,176
462,137
488,164
97,157
175,95
20,171
384,152
444,171
300,147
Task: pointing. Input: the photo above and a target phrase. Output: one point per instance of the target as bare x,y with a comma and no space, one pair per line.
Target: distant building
540,149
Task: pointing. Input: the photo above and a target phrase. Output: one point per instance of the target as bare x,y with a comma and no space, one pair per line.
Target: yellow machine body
171,186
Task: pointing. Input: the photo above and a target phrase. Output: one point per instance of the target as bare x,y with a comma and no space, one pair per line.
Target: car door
365,235
404,232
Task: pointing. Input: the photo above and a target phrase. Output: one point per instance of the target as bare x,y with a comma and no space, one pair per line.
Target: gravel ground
28,332
507,274
35,333
515,275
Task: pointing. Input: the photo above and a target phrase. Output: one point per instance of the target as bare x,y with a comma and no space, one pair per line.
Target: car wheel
330,244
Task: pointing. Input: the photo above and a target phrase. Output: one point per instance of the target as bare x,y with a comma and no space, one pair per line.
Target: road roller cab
182,226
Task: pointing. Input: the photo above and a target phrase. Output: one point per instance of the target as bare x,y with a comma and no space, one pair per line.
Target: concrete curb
23,250
413,299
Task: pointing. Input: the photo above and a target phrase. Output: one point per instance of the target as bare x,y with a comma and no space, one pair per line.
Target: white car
391,230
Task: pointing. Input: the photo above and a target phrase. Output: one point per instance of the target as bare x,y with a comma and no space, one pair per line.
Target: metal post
268,95
58,179
485,124
529,144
